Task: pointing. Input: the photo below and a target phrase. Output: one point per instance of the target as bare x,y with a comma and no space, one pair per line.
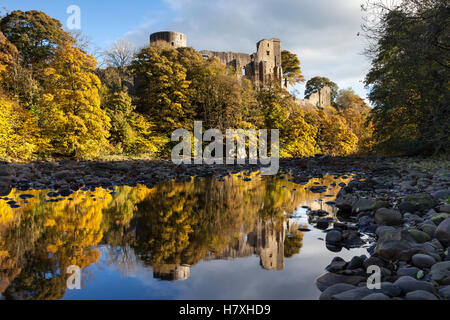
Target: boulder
335,289
440,272
419,202
420,295
388,217
409,284
363,205
353,294
443,232
423,261
376,296
328,279
419,236
333,236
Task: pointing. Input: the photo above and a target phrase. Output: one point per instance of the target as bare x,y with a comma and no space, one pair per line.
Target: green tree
292,72
35,34
317,83
408,79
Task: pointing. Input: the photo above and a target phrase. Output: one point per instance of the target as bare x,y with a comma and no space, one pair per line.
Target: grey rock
376,296
440,272
409,284
333,236
388,217
385,232
423,260
445,208
337,264
374,261
363,205
389,289
328,279
421,201
395,250
444,292
335,289
420,295
441,194
429,229
355,263
443,232
354,294
411,271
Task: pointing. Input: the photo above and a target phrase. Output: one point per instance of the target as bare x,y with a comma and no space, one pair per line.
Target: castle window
181,37
268,53
173,44
243,71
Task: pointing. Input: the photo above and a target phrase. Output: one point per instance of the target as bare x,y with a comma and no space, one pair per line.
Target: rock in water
333,236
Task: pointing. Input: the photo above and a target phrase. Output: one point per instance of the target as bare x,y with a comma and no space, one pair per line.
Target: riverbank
400,203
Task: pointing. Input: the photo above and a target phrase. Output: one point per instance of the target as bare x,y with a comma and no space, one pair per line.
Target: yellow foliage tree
69,108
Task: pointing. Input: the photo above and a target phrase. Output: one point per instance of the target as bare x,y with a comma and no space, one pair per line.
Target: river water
243,236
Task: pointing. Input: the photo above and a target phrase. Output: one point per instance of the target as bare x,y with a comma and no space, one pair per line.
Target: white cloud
323,33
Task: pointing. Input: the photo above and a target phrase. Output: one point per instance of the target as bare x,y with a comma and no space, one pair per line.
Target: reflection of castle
266,240
171,272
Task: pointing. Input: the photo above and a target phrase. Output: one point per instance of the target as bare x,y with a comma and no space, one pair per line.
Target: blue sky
323,33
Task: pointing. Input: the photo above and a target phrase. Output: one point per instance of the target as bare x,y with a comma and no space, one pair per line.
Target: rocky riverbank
407,212
401,205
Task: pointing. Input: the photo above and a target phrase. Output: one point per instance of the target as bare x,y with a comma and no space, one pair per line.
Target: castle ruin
261,68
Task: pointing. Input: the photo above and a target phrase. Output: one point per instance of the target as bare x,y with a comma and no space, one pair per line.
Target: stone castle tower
175,39
261,67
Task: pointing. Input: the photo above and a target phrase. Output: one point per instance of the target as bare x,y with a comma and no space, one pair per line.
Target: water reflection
169,228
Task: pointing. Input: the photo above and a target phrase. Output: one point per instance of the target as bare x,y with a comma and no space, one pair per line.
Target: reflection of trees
169,227
293,241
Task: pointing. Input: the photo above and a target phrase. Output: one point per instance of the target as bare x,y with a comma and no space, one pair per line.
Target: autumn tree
69,109
131,133
290,63
161,89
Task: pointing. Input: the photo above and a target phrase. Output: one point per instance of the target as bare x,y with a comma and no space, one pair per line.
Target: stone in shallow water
26,196
333,236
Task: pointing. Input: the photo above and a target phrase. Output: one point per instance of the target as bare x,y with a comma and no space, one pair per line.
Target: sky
323,33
